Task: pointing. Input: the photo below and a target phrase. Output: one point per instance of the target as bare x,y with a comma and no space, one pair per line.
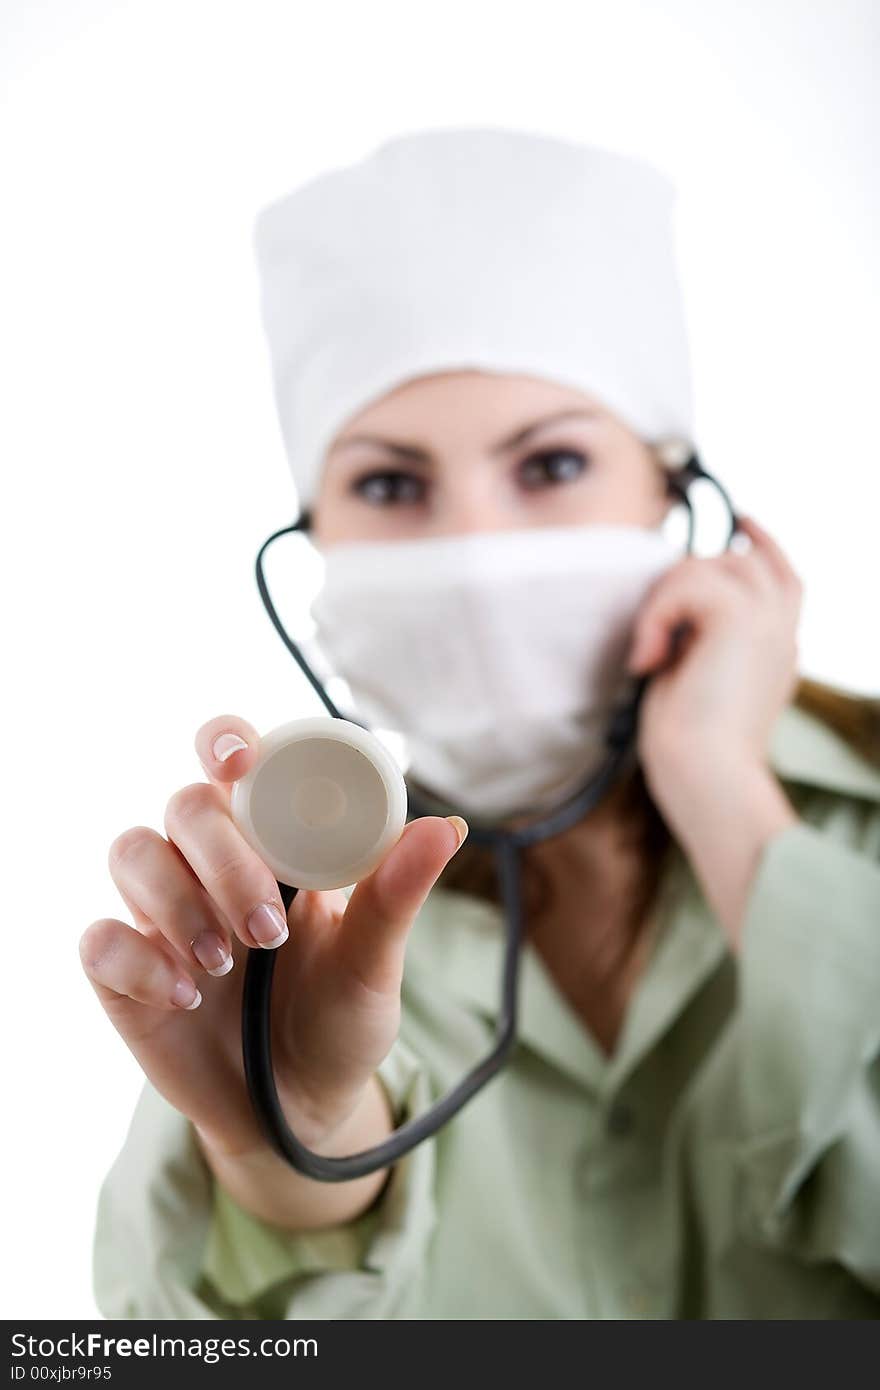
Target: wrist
724,811
330,1138
698,784
262,1182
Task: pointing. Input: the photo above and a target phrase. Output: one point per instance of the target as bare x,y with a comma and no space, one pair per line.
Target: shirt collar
458,939
805,750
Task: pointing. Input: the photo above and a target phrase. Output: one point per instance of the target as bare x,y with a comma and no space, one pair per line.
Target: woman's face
460,451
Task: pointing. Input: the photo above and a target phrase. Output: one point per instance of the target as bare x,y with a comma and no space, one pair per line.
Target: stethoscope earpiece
324,803
686,468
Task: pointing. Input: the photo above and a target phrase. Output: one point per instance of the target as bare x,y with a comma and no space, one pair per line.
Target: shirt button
621,1120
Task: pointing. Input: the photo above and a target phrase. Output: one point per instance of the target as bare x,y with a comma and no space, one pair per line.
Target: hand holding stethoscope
336,997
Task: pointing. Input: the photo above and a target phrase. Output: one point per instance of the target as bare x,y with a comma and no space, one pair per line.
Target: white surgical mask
498,656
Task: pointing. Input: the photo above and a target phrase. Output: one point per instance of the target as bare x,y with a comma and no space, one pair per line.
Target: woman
688,1127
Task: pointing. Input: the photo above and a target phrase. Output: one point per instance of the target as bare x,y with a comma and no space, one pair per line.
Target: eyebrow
413,453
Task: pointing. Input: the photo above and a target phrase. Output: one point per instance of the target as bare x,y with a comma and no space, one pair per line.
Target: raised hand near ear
719,637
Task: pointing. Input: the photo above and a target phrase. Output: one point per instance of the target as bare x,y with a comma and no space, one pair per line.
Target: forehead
471,396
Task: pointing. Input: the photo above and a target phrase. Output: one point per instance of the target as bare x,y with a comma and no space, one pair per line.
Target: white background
141,462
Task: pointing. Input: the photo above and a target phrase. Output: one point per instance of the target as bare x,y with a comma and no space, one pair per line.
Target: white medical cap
455,249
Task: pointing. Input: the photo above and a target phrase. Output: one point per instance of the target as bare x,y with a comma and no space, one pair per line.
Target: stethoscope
506,843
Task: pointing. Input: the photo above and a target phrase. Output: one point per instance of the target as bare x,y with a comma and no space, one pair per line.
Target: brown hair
856,718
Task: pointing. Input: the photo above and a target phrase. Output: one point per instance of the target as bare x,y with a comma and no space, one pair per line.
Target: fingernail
211,952
185,995
460,827
225,745
267,926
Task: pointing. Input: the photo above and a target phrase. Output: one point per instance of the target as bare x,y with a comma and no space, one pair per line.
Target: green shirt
724,1162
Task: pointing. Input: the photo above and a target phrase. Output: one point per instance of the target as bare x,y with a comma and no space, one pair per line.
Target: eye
388,487
393,487
553,466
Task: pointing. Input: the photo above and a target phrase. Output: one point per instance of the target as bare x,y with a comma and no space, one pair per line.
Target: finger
689,595
159,888
372,935
227,747
752,569
125,967
198,822
772,552
147,927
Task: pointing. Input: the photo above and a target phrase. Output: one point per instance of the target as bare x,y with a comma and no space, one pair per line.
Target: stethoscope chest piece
323,805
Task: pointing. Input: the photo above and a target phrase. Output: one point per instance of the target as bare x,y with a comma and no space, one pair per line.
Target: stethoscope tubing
256,1030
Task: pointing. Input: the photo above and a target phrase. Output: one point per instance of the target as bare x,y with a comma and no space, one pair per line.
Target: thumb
373,931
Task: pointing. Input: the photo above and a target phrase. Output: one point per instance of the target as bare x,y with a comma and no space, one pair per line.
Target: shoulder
806,752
